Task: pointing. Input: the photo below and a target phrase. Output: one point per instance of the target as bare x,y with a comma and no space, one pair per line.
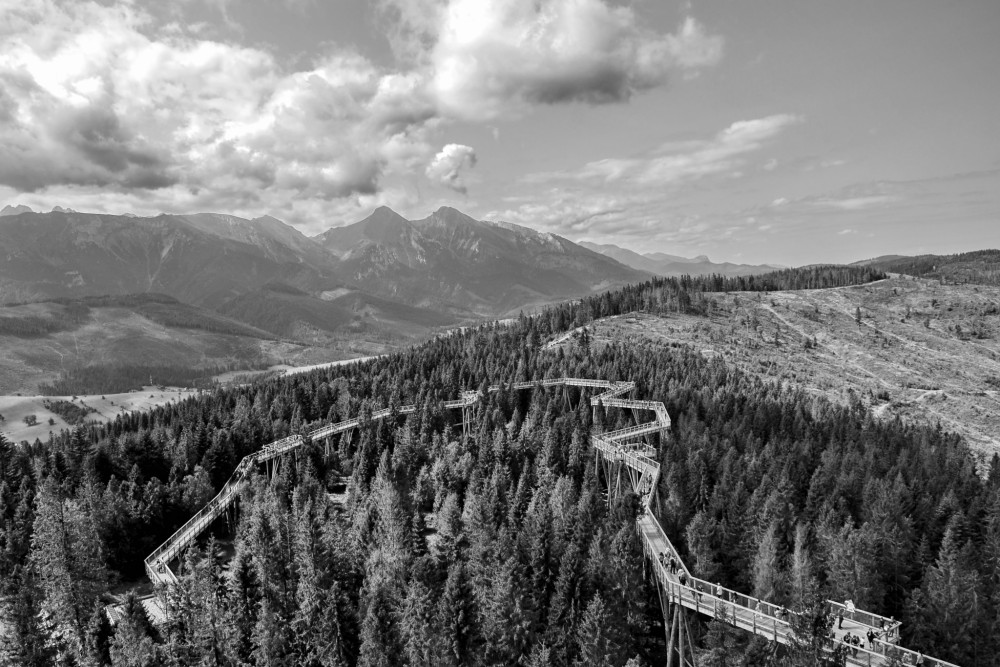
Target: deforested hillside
917,349
495,545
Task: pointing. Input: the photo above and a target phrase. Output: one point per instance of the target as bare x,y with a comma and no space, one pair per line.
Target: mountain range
662,264
378,283
447,262
451,261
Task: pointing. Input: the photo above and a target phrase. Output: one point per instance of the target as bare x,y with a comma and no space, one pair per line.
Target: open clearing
923,351
15,408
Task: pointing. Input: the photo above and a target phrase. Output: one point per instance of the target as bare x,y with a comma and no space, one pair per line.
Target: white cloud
110,100
90,97
490,58
855,203
446,167
677,162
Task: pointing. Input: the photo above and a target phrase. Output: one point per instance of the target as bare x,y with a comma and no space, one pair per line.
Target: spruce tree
67,556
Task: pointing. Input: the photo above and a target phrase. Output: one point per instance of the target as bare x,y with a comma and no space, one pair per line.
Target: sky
773,131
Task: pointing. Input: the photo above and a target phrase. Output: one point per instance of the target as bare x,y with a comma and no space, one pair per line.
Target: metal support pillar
679,635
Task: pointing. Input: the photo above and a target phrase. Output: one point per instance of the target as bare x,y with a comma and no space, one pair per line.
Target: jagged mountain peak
383,227
384,217
450,259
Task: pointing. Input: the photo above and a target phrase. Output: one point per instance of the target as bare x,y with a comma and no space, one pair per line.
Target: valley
204,294
45,341
922,351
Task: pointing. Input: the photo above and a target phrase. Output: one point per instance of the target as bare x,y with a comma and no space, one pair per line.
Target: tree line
692,294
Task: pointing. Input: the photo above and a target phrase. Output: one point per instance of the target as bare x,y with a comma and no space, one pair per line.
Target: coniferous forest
497,548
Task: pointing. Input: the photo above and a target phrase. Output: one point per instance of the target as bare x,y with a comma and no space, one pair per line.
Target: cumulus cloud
493,57
99,97
90,98
446,167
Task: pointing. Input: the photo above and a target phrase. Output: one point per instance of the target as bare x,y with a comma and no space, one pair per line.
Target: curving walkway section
622,453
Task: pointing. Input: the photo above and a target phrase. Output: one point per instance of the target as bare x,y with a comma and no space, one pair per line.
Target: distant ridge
663,264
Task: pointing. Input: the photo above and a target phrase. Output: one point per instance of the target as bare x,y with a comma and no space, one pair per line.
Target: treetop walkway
622,456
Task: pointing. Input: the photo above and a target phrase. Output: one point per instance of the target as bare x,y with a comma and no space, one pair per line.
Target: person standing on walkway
840,619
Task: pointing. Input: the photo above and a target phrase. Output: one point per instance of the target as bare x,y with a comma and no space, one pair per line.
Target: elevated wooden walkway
625,458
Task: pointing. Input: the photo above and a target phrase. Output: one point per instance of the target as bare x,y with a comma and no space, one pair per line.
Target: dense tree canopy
496,548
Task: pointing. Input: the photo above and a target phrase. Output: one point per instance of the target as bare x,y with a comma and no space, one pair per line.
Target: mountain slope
663,264
450,260
196,259
44,340
292,313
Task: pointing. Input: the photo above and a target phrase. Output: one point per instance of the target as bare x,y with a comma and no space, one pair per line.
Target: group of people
855,642
672,565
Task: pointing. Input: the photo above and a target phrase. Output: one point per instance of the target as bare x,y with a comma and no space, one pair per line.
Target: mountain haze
662,264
